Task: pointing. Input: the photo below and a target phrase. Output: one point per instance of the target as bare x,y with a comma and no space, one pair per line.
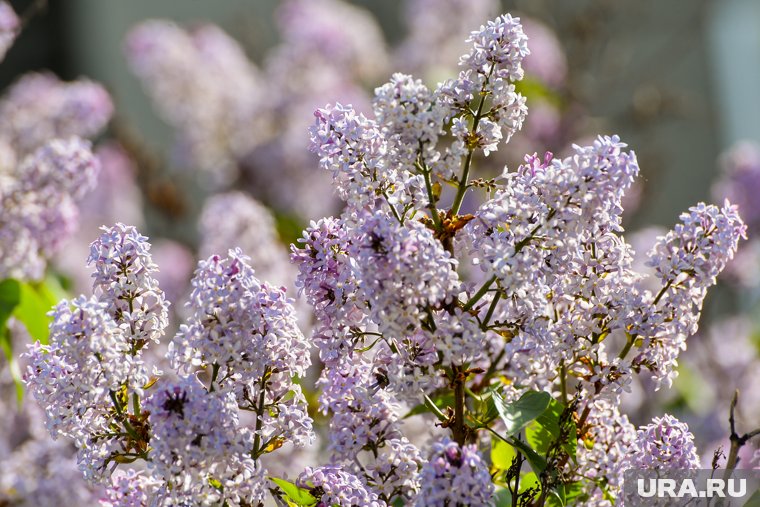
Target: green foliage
542,433
29,304
518,414
295,496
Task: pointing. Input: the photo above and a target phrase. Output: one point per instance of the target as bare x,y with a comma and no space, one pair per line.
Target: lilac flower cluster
46,168
665,443
94,384
424,301
39,200
332,486
454,475
557,301
246,334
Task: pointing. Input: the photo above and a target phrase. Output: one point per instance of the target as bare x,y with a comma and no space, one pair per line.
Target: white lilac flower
365,437
196,442
601,453
454,475
327,281
330,485
497,49
665,443
124,279
71,379
411,121
404,272
129,489
246,334
687,261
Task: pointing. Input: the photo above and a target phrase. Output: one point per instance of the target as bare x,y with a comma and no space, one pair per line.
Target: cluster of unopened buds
516,322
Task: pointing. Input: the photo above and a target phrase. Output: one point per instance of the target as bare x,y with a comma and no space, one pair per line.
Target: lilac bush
507,315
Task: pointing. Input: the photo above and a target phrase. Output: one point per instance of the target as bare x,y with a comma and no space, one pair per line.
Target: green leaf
502,454
545,430
537,462
299,496
502,497
10,297
36,301
570,493
441,401
518,414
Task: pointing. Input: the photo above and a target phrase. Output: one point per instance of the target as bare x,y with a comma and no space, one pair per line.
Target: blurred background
677,80
198,116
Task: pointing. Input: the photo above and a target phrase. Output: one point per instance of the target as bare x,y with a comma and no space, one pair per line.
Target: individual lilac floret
40,107
9,26
331,486
196,442
665,443
245,333
123,278
235,220
454,475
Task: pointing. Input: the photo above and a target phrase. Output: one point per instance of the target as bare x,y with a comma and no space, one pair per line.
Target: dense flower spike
196,442
75,378
449,309
246,333
687,262
124,280
38,198
404,271
664,443
454,475
365,432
